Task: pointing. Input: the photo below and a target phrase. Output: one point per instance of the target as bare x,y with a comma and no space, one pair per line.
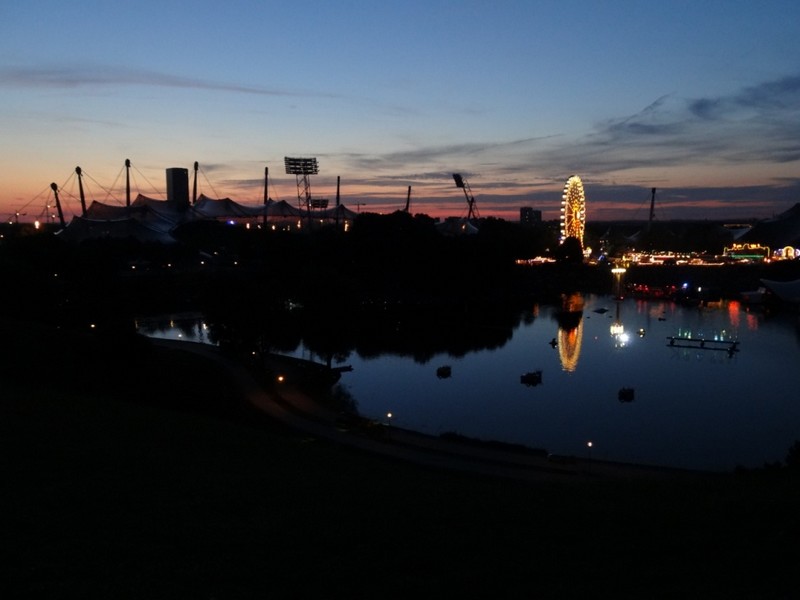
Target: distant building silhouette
178,187
529,216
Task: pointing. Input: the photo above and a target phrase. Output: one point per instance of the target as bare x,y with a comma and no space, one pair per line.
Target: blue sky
698,99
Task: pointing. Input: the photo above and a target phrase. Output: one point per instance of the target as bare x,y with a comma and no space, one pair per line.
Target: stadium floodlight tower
301,168
464,185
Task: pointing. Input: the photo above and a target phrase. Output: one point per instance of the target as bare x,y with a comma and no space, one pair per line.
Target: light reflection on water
188,327
692,407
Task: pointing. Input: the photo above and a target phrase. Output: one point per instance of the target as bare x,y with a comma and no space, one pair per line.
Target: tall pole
266,194
266,186
127,182
652,207
408,200
194,185
307,185
338,178
54,187
80,191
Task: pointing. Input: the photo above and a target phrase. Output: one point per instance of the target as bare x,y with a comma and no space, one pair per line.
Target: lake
712,408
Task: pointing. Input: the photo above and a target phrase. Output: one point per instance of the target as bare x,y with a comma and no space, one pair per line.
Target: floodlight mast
464,185
301,168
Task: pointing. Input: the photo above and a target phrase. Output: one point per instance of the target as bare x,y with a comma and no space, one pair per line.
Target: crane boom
464,185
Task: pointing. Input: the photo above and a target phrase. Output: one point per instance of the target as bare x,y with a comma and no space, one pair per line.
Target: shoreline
297,409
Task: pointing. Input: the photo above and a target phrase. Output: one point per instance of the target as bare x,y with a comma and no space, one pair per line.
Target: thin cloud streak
438,154
69,78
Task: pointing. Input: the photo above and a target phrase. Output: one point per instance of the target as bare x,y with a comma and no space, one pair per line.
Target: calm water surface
693,408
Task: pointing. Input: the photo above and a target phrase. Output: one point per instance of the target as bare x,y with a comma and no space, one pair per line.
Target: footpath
288,404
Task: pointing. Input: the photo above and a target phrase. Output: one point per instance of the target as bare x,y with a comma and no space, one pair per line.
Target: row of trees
394,257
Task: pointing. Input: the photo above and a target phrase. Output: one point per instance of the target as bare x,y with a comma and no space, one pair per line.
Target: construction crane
464,185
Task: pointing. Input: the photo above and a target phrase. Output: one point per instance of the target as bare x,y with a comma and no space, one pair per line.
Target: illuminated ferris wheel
573,210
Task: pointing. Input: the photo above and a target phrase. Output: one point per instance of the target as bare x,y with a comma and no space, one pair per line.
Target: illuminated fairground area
736,253
759,253
669,258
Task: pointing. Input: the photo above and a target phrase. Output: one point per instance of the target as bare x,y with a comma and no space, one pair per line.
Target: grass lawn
137,472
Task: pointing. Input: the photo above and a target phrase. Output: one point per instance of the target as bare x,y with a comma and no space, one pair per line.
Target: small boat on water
444,372
532,378
625,394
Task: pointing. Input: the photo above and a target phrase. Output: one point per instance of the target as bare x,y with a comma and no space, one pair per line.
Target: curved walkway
296,409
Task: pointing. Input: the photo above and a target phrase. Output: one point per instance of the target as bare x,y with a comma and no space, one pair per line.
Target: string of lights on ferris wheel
573,210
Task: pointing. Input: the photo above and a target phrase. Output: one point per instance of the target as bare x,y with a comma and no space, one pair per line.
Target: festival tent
225,208
174,212
339,214
778,232
146,219
100,211
81,228
456,227
283,209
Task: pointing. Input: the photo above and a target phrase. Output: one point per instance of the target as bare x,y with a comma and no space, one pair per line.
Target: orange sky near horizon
705,107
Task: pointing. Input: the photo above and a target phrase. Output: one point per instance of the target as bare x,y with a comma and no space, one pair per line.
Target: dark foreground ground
131,471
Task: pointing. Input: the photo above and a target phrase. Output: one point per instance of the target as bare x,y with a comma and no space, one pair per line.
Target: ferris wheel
573,210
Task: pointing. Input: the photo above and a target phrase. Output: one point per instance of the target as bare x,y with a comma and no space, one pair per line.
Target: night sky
698,99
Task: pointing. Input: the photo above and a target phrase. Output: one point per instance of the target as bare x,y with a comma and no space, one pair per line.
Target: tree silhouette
793,456
570,251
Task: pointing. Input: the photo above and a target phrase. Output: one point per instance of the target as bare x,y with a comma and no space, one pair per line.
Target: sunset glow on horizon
698,100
